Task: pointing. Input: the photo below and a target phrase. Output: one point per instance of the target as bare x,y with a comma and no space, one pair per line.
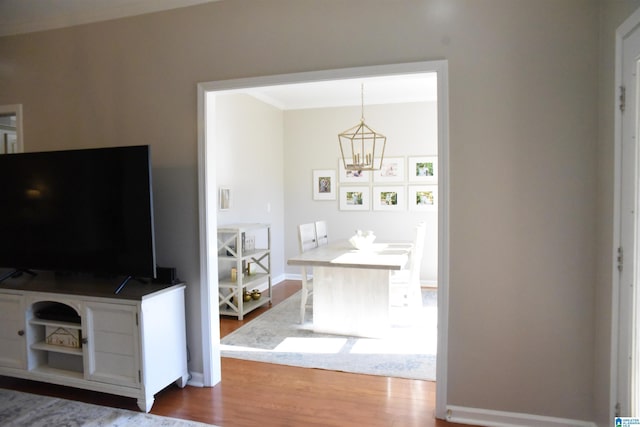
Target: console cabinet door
12,340
112,352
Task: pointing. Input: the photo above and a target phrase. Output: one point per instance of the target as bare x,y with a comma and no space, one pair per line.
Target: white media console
130,344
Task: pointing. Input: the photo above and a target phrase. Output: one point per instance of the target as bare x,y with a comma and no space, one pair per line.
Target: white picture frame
423,198
324,184
352,177
423,169
389,198
392,170
354,198
224,198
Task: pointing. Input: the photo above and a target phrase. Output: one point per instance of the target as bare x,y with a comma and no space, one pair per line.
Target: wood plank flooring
266,395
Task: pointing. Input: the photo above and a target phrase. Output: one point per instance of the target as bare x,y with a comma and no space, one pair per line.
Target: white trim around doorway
208,215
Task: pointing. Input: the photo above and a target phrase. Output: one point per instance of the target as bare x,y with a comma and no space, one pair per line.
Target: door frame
15,109
622,300
208,211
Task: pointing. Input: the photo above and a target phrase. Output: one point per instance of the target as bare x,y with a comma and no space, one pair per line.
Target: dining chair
404,285
307,240
321,233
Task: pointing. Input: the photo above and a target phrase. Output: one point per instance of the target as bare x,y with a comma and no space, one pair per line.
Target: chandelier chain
362,102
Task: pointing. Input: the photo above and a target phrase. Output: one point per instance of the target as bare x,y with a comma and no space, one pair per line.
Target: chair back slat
321,233
416,252
307,237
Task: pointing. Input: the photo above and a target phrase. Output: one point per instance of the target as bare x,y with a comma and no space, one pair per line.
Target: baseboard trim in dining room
491,418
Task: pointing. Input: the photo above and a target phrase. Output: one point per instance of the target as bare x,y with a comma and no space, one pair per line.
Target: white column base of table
351,301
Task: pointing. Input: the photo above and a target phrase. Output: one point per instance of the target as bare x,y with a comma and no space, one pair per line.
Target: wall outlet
249,243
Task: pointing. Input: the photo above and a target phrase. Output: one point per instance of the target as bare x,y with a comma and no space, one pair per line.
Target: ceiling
338,93
24,16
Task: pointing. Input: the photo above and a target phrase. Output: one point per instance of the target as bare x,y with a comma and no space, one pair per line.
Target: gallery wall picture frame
423,169
423,198
389,198
392,170
354,198
224,199
352,177
324,184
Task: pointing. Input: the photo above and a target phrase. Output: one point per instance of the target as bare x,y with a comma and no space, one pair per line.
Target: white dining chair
322,236
307,240
404,285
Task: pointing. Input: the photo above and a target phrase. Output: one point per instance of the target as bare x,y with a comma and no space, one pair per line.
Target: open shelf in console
55,345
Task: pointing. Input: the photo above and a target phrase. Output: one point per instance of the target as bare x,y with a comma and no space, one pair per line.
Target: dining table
351,286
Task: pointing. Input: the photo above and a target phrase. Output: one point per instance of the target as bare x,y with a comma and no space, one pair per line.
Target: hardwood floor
260,394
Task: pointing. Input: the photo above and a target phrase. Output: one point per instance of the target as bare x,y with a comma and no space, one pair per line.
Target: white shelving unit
235,251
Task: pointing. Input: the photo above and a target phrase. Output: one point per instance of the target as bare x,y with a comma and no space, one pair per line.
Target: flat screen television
78,211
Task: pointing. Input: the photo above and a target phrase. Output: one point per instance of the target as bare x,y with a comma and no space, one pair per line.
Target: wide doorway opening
275,207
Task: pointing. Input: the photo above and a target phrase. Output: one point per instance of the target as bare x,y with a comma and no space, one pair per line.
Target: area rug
408,351
18,409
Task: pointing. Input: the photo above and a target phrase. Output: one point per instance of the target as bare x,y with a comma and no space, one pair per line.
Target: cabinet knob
21,332
85,340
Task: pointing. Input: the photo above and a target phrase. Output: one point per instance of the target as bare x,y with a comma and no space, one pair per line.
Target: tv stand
131,344
15,273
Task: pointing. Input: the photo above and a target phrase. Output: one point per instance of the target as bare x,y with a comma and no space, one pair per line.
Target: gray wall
250,150
531,171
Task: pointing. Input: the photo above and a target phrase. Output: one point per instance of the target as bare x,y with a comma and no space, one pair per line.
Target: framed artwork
423,198
352,177
224,199
423,169
324,184
391,198
354,198
392,170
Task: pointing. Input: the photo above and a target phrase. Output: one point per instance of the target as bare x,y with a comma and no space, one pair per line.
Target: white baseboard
489,418
278,279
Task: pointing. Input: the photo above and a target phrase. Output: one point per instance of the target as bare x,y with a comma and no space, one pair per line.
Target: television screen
85,211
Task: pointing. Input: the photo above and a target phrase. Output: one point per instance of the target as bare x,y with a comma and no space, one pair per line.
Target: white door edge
620,373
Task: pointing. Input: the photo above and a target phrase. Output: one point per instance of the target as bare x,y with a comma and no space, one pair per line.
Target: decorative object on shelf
423,198
249,243
256,294
362,240
251,268
354,198
234,274
391,198
65,337
324,184
391,170
362,148
247,296
423,169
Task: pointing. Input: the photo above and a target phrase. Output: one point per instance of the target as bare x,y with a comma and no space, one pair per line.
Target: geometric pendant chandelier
361,147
